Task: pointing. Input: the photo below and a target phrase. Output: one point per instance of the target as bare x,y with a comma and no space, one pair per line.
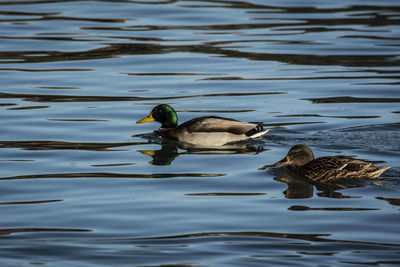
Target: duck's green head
164,114
297,155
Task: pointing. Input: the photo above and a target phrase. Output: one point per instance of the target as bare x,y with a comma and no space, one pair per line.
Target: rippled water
82,185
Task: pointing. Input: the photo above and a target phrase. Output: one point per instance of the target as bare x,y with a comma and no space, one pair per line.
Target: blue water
77,184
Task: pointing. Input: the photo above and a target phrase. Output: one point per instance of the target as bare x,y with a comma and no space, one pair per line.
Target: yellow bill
148,152
147,119
283,161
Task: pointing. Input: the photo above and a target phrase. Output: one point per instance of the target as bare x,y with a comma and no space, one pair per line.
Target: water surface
83,185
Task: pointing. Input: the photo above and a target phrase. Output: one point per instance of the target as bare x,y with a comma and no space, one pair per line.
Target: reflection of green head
164,156
165,115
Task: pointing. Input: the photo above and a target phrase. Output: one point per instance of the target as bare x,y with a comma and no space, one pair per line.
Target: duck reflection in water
164,156
170,150
301,188
327,173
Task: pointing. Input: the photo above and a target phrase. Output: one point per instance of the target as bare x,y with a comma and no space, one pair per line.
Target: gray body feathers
212,131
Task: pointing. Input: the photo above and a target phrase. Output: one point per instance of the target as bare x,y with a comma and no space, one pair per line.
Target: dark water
77,184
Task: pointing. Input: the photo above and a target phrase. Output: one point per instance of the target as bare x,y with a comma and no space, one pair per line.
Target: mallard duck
202,131
329,168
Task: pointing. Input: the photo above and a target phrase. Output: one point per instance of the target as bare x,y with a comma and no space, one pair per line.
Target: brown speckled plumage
330,168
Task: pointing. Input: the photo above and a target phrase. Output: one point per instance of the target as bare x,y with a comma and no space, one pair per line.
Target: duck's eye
297,154
157,113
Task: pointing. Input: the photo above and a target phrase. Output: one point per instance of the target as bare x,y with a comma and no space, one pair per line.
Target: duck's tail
257,132
376,173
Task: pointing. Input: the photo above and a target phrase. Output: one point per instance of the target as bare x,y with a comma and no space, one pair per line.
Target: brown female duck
329,168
